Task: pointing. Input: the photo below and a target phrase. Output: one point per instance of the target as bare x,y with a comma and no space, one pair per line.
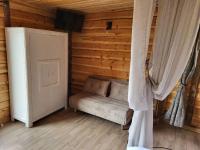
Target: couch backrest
117,88
97,86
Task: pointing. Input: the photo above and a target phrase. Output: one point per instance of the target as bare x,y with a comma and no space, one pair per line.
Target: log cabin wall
31,15
196,115
26,15
4,95
97,51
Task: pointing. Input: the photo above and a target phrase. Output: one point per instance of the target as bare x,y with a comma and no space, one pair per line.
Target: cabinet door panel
48,65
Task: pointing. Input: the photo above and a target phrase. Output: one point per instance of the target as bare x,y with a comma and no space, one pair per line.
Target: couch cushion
96,86
107,108
119,90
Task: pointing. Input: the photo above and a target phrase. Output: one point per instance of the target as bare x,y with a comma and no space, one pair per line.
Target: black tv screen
69,21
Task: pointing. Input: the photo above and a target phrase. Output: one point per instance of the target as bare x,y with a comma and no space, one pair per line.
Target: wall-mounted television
69,21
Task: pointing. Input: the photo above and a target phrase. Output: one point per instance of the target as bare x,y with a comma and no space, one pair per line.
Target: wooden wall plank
196,115
32,16
97,51
26,15
4,92
32,8
86,6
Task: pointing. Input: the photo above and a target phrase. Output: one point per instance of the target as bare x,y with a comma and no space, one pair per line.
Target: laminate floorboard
66,130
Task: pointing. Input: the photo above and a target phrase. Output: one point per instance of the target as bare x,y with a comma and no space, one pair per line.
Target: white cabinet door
48,73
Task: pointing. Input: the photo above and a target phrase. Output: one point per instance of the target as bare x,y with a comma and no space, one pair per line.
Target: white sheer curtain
177,27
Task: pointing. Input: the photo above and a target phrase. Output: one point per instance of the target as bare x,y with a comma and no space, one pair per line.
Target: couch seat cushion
107,108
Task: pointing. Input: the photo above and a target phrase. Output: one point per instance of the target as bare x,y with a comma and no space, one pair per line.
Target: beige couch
105,98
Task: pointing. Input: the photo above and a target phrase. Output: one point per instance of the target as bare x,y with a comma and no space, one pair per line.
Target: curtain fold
194,87
142,20
177,111
177,26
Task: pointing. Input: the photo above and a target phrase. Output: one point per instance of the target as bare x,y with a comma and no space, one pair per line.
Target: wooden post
69,63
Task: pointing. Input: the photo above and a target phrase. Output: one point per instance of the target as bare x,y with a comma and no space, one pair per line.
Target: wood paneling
26,15
87,6
196,113
4,98
195,96
32,16
97,51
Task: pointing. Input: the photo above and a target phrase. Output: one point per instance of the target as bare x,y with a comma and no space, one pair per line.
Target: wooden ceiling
87,6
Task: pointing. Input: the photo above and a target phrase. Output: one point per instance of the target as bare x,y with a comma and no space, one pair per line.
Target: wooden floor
78,131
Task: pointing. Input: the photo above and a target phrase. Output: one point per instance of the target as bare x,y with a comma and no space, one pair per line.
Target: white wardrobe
37,65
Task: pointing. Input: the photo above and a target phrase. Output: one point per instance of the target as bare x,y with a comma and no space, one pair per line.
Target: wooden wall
86,6
97,51
196,115
26,15
31,15
4,98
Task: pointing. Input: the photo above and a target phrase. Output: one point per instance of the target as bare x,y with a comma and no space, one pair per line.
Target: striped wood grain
26,15
4,92
97,51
